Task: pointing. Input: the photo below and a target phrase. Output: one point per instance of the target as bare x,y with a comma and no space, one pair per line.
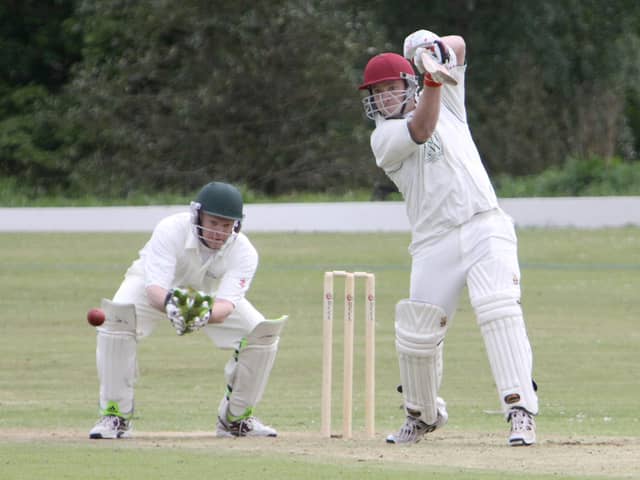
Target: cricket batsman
459,234
195,271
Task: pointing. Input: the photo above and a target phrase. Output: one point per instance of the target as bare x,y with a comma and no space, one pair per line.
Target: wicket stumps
327,352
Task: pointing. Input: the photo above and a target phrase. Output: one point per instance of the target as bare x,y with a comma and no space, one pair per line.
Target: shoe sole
99,436
225,434
520,442
393,442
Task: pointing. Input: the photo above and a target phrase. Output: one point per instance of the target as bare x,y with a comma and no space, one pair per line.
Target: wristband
428,82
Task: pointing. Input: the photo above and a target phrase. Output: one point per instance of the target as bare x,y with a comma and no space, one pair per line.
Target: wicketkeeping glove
200,311
188,309
175,304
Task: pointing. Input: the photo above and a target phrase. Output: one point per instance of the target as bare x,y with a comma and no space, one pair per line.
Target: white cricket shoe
246,427
414,429
523,427
111,426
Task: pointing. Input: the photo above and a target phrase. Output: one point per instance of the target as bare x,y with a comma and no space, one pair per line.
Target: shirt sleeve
160,254
453,96
391,143
242,266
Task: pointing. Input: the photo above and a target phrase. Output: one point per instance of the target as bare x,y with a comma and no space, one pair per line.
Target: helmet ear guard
195,207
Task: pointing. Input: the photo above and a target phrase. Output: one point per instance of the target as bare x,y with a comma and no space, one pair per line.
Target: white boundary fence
578,212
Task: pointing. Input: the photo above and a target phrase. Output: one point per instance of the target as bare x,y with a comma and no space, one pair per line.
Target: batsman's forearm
424,120
157,295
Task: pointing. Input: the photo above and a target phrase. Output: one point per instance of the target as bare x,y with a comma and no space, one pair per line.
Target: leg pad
420,332
247,373
116,358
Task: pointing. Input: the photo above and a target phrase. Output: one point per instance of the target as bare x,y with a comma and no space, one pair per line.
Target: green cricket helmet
221,200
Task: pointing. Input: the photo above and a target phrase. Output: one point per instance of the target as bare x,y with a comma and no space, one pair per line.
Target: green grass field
581,302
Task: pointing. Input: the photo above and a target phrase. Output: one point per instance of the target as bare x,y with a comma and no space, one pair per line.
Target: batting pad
509,352
116,356
420,332
247,373
494,289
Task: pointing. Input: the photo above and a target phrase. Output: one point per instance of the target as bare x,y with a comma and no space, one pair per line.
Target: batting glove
443,54
440,52
418,39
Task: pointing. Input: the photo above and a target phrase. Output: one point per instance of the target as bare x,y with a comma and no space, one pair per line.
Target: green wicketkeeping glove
188,309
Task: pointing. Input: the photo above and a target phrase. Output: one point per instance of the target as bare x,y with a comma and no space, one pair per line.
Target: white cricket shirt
175,257
443,181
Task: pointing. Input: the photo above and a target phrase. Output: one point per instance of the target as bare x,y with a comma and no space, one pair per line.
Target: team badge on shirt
432,148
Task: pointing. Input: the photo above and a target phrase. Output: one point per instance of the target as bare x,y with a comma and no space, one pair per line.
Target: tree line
117,97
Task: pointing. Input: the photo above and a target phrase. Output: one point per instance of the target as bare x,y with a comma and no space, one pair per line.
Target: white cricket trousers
439,271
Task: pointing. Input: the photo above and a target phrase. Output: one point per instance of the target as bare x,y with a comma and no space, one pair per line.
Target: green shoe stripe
114,409
246,414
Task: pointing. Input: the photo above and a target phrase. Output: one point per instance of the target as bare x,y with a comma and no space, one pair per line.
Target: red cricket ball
95,317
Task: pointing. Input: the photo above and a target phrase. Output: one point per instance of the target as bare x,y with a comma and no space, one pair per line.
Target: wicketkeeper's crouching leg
247,374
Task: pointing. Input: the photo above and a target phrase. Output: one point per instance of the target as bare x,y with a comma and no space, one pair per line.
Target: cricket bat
438,72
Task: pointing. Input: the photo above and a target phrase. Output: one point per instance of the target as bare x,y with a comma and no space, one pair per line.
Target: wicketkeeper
195,270
460,236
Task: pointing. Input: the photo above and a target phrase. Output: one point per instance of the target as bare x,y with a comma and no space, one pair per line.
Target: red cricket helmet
386,66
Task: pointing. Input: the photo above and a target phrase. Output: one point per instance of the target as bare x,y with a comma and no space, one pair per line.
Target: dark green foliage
546,80
38,43
264,96
38,46
591,176
125,98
